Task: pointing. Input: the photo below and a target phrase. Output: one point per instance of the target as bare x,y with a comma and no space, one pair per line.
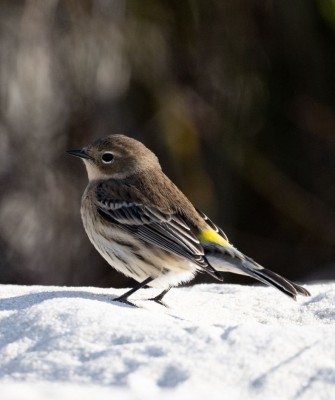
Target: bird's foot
124,300
158,300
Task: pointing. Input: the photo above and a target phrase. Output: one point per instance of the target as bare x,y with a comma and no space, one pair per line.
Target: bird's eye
107,158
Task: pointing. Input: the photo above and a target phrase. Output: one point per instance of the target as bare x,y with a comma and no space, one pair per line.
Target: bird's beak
81,153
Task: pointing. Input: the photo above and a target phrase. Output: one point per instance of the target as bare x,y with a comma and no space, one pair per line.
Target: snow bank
218,341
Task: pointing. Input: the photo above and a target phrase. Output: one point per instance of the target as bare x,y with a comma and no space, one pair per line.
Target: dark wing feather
209,222
168,231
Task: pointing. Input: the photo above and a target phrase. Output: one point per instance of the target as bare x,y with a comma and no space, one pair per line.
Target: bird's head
116,157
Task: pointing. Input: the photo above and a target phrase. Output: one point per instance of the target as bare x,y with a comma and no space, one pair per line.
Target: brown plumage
146,228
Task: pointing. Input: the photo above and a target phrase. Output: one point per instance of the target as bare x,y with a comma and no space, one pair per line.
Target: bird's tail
229,259
272,279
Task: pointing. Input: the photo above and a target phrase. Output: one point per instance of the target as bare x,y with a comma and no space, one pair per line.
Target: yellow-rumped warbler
146,228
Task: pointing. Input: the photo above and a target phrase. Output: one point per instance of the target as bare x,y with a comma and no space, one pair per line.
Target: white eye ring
107,158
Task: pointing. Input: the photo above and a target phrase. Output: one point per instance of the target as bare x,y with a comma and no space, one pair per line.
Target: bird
146,228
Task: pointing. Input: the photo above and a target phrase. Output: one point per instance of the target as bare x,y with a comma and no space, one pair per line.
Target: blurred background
235,97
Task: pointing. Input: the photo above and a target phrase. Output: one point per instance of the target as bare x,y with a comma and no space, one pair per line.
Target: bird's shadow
24,301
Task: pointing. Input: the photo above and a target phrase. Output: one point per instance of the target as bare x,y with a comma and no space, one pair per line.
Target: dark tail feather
271,278
300,289
236,262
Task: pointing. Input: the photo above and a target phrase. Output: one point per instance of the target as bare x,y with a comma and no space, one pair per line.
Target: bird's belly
134,257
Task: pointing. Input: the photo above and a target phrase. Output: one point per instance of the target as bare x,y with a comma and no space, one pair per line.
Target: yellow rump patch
209,235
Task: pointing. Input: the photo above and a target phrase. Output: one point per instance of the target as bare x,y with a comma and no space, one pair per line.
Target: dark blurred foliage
236,98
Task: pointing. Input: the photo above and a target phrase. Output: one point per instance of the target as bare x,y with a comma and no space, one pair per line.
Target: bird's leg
159,297
124,297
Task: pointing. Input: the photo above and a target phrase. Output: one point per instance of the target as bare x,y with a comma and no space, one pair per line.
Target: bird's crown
116,157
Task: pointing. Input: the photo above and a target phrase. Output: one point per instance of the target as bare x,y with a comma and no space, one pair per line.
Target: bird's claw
124,301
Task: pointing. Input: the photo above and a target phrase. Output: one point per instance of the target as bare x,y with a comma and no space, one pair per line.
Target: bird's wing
166,230
211,224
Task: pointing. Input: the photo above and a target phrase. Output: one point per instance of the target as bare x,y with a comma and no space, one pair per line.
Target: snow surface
217,341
